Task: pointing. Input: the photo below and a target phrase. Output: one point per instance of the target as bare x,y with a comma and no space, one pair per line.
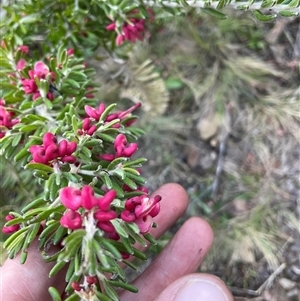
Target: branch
292,7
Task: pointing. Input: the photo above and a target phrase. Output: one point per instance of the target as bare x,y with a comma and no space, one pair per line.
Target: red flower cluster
94,115
130,31
74,199
10,229
23,48
6,119
51,150
122,149
40,70
141,210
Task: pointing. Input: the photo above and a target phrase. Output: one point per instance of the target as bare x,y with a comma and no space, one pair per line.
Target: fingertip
174,192
196,287
200,229
173,204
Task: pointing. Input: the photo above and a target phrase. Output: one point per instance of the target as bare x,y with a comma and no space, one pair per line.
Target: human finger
196,287
180,257
29,281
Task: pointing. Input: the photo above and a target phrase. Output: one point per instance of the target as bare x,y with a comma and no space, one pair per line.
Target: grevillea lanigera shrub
88,196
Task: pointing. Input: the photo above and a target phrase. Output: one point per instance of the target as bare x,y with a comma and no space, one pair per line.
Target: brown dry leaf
208,126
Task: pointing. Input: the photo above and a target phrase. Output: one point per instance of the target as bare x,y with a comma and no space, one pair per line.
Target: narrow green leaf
110,292
57,267
113,164
23,256
39,166
112,249
41,174
54,293
29,128
72,83
130,264
150,238
31,18
213,12
130,183
107,111
117,188
50,229
107,181
118,173
36,203
32,233
102,297
100,254
135,163
44,215
16,139
119,227
105,137
286,13
86,151
70,271
13,237
59,234
72,177
73,297
124,285
261,17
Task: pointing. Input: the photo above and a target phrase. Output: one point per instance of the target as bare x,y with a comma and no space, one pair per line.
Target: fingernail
201,290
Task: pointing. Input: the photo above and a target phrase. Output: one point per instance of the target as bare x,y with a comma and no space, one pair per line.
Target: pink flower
10,229
21,64
71,220
144,224
51,150
6,120
122,148
95,113
87,197
105,201
130,31
29,86
24,49
41,69
148,206
70,51
71,197
141,210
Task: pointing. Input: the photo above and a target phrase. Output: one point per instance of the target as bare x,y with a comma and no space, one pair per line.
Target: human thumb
196,287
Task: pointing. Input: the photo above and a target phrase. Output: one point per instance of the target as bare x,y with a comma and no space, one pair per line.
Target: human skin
172,270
